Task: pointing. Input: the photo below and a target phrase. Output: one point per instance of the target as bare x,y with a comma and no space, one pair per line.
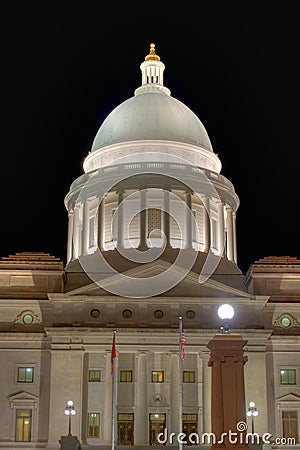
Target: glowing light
225,311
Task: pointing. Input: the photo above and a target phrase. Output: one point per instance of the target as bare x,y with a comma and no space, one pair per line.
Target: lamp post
225,312
252,412
70,411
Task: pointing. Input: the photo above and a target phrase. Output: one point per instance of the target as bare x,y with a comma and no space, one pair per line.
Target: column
141,400
143,220
229,222
207,235
70,237
76,240
217,414
221,229
234,237
66,384
227,394
101,224
174,392
120,240
85,228
188,221
166,217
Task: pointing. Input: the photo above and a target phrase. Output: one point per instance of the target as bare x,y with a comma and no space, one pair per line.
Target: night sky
233,63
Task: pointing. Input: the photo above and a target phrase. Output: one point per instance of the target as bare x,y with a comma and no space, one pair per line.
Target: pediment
288,398
22,395
189,286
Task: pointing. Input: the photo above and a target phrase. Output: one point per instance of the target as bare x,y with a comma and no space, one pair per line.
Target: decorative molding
294,322
19,319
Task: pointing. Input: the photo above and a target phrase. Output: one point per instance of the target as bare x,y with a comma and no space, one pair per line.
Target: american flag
113,354
182,344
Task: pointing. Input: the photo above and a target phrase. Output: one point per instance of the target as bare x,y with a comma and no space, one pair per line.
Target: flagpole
113,395
180,382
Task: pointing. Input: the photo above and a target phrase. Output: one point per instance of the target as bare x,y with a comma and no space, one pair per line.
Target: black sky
64,68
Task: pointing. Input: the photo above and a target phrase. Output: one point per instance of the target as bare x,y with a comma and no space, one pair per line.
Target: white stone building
151,237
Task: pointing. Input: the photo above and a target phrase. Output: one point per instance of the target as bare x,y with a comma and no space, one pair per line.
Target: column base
143,247
69,443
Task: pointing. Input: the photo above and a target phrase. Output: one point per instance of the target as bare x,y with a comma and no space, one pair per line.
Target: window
188,376
157,424
92,232
114,224
194,227
94,375
190,426
290,424
23,425
158,314
157,376
125,429
285,321
126,376
25,375
288,376
27,319
214,233
154,223
94,425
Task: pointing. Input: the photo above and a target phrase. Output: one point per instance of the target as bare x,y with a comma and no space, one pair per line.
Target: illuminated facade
151,237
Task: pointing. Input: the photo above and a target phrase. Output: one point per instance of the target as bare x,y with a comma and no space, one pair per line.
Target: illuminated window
154,223
288,376
126,376
157,424
25,375
23,425
188,376
93,425
94,375
157,376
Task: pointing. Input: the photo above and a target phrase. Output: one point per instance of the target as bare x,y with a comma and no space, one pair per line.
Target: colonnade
219,236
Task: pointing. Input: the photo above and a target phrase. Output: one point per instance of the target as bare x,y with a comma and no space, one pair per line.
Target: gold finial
152,55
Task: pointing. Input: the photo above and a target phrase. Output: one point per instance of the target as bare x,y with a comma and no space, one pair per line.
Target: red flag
182,344
113,354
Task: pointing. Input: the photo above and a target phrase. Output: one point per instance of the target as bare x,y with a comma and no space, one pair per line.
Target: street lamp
225,312
252,412
70,411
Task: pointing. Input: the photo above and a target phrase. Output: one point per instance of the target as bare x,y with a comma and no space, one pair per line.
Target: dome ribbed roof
152,115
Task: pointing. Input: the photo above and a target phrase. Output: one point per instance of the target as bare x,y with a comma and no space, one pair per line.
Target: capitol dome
152,114
152,121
